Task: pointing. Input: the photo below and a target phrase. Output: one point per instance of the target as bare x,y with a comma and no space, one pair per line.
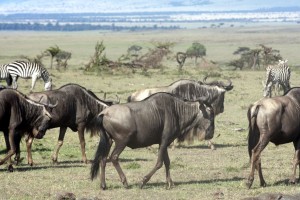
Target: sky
79,6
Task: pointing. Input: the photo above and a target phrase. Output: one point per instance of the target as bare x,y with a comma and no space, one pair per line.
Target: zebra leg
14,83
34,77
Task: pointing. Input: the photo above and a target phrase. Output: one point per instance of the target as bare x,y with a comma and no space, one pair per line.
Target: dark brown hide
76,107
192,90
275,120
159,119
19,115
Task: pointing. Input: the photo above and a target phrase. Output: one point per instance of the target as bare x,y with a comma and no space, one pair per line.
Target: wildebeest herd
184,110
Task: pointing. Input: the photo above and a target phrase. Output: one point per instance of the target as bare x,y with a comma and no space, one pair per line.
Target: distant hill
107,6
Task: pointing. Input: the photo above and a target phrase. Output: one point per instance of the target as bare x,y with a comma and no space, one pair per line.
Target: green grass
198,172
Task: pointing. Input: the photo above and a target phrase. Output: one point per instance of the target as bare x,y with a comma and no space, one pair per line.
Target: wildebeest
275,120
77,106
159,119
191,90
18,115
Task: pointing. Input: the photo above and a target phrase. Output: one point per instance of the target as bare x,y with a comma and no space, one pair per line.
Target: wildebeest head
217,101
207,123
42,122
204,129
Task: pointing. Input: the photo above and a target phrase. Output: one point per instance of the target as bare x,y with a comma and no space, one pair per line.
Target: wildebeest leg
158,165
103,165
62,132
82,142
296,161
167,166
114,157
17,140
29,141
10,168
256,163
11,151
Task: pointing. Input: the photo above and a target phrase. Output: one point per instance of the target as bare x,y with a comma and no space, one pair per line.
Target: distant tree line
77,27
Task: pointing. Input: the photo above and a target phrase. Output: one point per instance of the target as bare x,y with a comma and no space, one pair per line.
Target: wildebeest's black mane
89,92
290,90
173,95
21,94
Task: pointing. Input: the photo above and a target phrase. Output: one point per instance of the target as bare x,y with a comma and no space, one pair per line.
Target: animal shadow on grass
29,168
192,182
132,160
285,182
204,146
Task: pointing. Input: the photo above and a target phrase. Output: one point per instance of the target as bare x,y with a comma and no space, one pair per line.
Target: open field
198,172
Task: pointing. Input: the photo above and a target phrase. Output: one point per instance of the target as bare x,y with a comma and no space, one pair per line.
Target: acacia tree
134,51
252,58
53,51
197,50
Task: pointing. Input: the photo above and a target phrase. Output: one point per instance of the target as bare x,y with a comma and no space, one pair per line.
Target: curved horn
210,83
49,104
53,106
229,86
204,79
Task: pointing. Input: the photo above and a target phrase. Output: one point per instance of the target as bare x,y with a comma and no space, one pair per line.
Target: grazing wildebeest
159,119
77,106
275,120
18,115
191,90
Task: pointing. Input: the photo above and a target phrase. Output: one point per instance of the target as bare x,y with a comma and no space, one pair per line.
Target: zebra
28,70
4,75
277,75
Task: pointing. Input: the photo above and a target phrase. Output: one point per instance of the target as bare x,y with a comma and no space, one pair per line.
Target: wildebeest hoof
125,185
292,181
103,186
264,184
142,185
170,185
10,168
249,184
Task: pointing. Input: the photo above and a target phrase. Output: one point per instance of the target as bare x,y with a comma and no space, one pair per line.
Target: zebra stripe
29,70
277,75
4,75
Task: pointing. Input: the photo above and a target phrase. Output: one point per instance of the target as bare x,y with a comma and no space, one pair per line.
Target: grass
198,172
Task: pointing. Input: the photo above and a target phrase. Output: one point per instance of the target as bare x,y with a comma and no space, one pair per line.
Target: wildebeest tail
102,150
253,136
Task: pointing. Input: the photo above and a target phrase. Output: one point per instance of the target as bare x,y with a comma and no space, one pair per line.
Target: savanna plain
197,171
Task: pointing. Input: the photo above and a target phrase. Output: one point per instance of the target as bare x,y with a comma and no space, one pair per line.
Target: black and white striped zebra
277,75
29,70
4,75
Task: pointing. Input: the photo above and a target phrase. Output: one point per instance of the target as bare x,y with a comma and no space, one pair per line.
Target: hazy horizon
109,6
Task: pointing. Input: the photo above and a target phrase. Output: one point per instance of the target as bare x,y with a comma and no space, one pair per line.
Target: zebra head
48,85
